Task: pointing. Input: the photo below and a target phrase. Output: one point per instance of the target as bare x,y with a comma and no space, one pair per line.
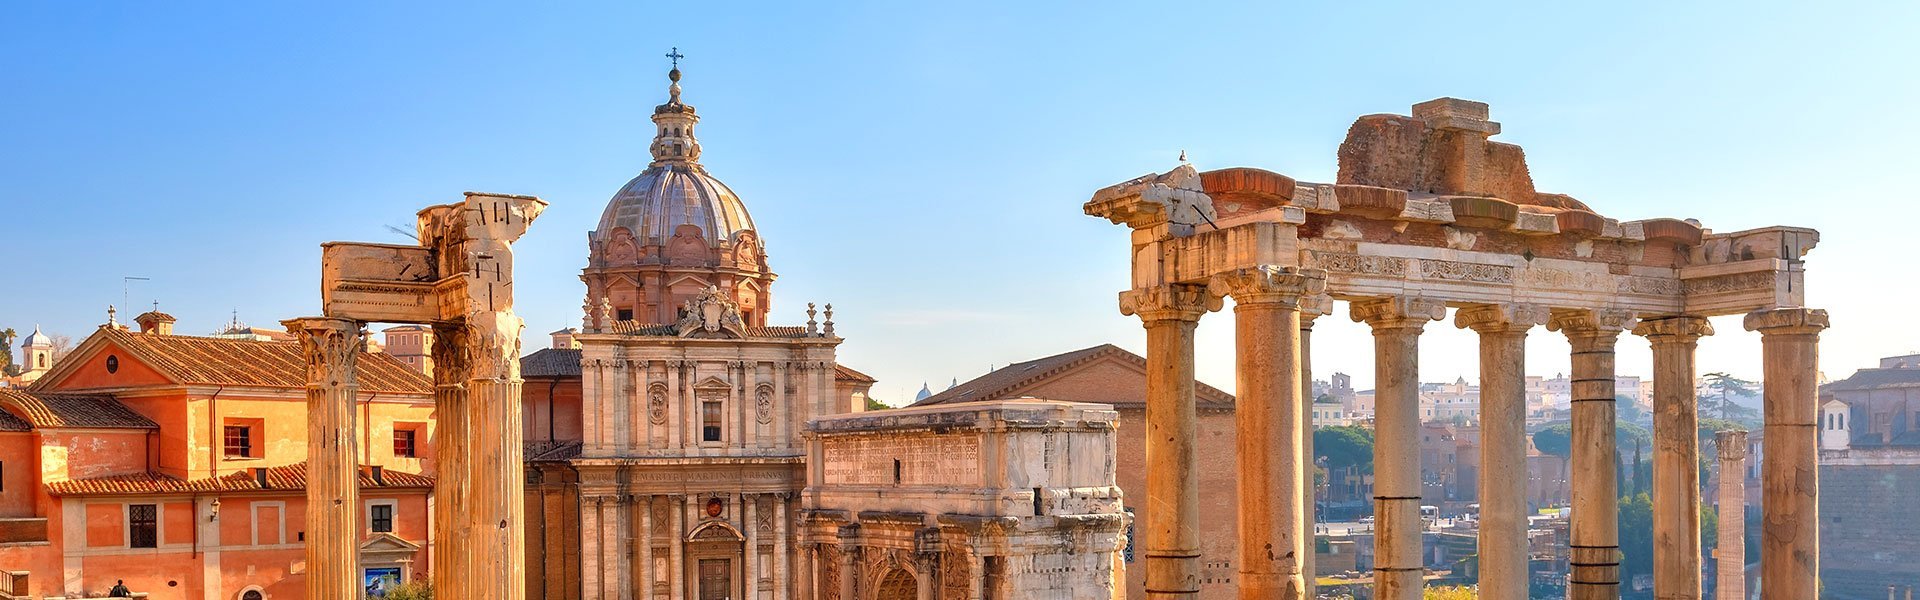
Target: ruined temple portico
1428,214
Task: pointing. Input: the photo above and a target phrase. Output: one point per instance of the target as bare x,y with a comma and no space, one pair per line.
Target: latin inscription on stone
943,460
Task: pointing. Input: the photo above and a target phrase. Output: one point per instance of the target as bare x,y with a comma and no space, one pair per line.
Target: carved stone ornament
331,346
711,314
657,403
1501,318
1169,302
1397,311
763,404
1268,284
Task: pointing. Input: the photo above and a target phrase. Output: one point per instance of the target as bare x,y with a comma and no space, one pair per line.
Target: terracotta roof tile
8,422
551,362
62,410
841,371
1876,379
219,361
285,477
1011,378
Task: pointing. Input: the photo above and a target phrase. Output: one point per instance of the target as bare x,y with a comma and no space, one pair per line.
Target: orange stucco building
177,464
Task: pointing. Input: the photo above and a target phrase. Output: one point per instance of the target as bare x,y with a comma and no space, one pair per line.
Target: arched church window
43,361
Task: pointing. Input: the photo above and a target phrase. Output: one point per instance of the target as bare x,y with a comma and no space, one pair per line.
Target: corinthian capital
1682,329
493,345
1173,302
1397,312
1581,321
1268,284
1787,321
1501,318
331,347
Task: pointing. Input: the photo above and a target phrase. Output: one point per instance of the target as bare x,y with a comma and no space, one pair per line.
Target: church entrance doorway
716,579
898,585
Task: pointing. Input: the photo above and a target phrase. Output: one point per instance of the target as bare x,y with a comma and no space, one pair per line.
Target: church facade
665,454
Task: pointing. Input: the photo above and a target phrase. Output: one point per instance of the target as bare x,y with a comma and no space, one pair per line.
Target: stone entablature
996,499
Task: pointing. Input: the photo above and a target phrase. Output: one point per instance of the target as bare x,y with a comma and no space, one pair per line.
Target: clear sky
919,165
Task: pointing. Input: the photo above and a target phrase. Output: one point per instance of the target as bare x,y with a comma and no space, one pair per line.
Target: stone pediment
387,545
712,383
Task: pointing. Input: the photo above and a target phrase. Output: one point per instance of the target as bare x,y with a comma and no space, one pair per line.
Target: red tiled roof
61,410
219,361
841,371
286,477
1011,378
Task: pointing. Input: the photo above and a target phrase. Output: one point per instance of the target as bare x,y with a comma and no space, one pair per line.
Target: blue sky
921,166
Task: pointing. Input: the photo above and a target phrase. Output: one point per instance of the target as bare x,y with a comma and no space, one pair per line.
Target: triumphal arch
459,279
1427,213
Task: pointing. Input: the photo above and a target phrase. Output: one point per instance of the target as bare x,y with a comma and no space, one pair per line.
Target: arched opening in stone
898,585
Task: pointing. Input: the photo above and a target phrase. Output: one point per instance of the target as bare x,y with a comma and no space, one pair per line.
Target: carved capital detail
1787,321
1174,302
331,347
1667,330
1583,321
1397,312
1315,305
1501,318
1268,284
493,345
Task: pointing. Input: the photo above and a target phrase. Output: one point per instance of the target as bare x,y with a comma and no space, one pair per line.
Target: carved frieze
1464,271
1733,282
1344,262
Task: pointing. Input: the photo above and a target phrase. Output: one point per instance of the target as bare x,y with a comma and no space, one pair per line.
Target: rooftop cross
674,53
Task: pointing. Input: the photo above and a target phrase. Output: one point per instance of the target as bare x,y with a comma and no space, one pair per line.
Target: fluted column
1730,543
331,347
1311,307
1267,417
1676,455
1595,547
1397,323
1503,443
1790,459
496,501
450,447
1169,314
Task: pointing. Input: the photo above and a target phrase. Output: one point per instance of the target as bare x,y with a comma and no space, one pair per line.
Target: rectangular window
710,421
380,518
239,441
625,314
142,531
403,443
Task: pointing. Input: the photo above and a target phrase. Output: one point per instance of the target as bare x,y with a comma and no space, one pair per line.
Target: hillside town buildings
1869,427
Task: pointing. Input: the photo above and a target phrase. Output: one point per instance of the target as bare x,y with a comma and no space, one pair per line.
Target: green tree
1557,440
1345,446
1451,592
1721,389
1636,536
873,404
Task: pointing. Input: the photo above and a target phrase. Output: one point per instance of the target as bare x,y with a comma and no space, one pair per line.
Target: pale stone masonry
985,500
1428,213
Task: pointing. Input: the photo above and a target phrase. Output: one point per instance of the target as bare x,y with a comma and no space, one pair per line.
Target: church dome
675,191
37,339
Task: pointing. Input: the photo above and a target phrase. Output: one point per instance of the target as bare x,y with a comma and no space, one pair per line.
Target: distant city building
1869,479
411,344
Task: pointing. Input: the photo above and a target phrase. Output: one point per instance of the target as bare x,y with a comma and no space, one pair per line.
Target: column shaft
1397,323
676,532
496,501
1790,461
1594,572
1308,497
1730,545
643,575
1503,446
450,454
781,579
1676,456
1268,422
1172,557
332,347
750,505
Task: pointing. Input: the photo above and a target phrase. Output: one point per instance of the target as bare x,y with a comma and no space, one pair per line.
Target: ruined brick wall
1869,530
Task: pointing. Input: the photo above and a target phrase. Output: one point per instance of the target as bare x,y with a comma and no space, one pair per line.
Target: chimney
155,322
260,476
379,475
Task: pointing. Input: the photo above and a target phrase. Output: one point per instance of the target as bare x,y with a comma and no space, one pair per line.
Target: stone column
332,347
849,570
1311,307
1595,547
750,560
1397,323
496,501
1274,538
1676,455
781,579
450,450
1503,443
1172,538
1730,551
676,533
1790,460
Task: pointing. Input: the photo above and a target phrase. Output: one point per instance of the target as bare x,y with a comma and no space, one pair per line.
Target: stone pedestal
1274,538
1676,456
1172,530
1503,444
1594,572
332,346
1730,544
1790,473
1397,323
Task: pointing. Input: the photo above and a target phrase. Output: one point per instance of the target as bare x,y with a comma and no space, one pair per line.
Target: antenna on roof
126,287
